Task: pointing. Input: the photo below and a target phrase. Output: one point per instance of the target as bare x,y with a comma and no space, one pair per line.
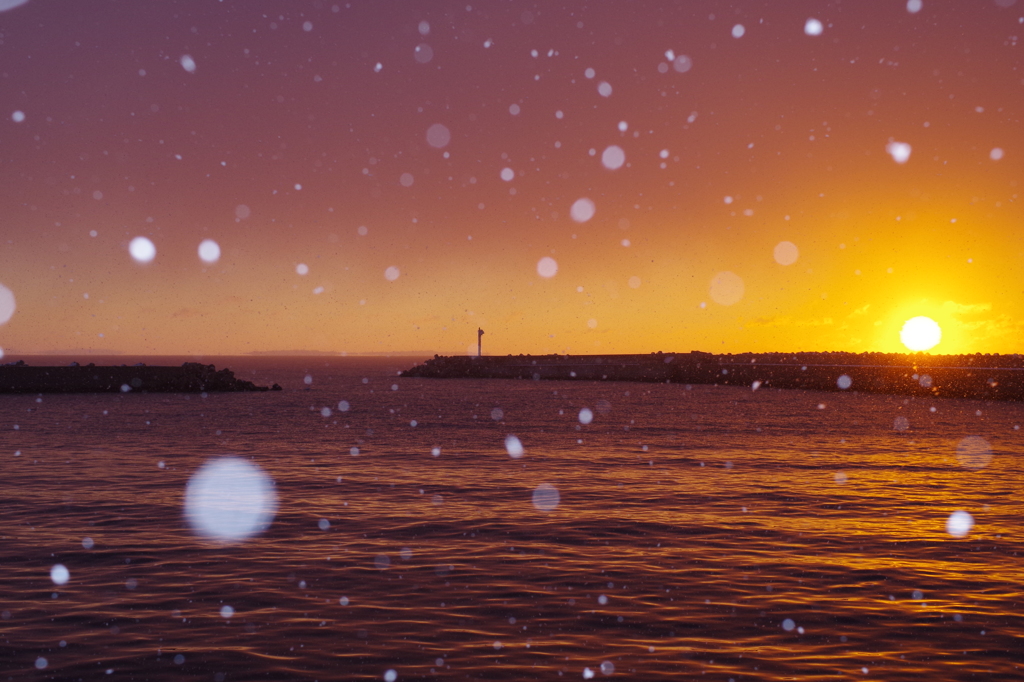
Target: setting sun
920,333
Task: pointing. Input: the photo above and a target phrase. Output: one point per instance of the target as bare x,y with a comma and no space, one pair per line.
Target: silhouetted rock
191,377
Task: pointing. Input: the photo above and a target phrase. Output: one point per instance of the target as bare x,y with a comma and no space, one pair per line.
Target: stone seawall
191,377
988,377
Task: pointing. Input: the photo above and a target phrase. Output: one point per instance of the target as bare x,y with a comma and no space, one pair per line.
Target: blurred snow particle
586,415
589,73
226,611
682,63
592,323
307,26
634,281
242,212
308,379
424,28
813,27
514,109
377,68
381,562
142,249
788,624
391,273
41,663
343,601
59,574
547,267
844,382
588,674
7,304
786,253
4,6
840,477
343,406
97,195
613,157
582,210
913,6
604,88
323,524
995,154
607,667
325,412
390,675
438,136
436,452
738,30
959,524
88,543
209,251
18,116
423,53
188,63
230,499
302,269
602,600
513,446
406,179
497,414
298,187
507,174
900,424
623,126
726,288
899,151
546,497
973,452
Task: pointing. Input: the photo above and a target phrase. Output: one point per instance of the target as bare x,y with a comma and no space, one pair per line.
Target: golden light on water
920,333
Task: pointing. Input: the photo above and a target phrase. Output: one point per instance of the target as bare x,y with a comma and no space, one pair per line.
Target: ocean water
684,532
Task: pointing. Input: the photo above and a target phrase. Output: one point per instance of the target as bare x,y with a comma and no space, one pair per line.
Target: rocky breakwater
984,377
191,377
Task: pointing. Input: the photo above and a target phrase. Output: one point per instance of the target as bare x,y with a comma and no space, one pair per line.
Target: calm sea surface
711,533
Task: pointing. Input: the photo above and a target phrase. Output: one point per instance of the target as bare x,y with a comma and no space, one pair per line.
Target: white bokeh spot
582,210
209,251
142,249
726,288
230,499
613,157
547,267
513,446
899,151
546,497
7,304
786,253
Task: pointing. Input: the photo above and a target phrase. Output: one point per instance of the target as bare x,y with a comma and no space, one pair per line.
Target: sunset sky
366,144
